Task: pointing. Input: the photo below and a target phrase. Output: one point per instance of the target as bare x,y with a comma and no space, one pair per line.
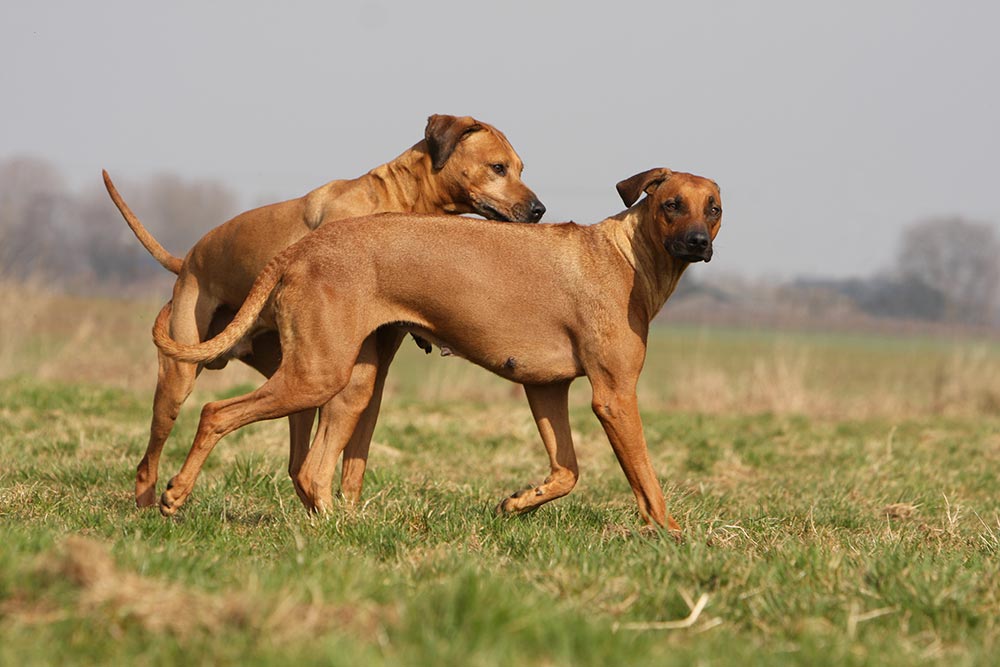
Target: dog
538,305
462,166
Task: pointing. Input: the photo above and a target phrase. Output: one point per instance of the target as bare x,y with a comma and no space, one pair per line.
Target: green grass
836,511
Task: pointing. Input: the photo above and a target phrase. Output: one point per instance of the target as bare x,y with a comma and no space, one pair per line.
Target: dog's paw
167,509
323,506
171,500
145,497
503,508
516,503
653,531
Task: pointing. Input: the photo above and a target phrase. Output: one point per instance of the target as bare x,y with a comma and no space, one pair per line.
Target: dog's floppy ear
443,134
632,187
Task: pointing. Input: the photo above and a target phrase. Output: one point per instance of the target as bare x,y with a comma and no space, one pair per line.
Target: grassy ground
838,495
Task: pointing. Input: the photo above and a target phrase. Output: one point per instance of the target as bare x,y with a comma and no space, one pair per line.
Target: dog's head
686,210
479,170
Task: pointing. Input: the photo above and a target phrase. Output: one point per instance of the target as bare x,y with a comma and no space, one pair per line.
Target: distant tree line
78,241
946,270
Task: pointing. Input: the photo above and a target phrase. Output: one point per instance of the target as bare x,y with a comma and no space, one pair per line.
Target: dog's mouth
681,251
489,212
529,211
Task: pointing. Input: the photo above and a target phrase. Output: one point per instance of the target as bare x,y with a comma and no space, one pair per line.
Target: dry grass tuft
990,537
776,381
899,510
731,473
701,389
615,531
778,384
95,340
162,607
21,307
107,342
966,383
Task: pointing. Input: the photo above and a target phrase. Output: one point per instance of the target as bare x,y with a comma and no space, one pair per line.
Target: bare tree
179,212
32,197
112,256
958,258
24,177
79,241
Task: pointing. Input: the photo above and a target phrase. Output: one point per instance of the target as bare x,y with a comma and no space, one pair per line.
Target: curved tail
159,253
228,337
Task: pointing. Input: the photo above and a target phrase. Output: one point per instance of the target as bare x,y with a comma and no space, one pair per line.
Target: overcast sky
828,127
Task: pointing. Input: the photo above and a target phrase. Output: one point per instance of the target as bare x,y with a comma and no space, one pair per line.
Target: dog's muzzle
536,211
530,211
696,246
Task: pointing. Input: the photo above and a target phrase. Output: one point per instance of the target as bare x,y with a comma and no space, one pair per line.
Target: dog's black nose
536,211
698,241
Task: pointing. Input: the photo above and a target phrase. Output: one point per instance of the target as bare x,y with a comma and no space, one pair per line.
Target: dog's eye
500,169
670,205
715,210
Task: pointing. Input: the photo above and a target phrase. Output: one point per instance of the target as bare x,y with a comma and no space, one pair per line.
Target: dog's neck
408,184
656,271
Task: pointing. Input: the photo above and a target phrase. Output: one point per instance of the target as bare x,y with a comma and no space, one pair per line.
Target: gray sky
828,127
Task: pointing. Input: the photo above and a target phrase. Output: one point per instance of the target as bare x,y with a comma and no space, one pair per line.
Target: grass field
839,498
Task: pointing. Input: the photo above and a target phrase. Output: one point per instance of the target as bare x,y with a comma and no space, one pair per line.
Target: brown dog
462,166
537,305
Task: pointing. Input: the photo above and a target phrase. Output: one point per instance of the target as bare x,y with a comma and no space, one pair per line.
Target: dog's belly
550,359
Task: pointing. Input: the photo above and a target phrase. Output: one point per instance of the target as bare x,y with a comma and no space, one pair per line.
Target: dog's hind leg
313,370
338,420
387,341
283,394
174,383
265,359
550,408
300,427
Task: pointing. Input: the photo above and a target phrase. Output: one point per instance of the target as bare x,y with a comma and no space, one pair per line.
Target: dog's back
488,292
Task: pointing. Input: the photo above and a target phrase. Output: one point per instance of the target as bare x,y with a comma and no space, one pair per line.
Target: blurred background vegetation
945,276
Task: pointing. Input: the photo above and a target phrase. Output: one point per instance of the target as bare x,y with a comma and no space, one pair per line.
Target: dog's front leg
618,411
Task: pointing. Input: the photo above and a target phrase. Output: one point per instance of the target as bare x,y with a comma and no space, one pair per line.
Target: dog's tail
159,253
237,329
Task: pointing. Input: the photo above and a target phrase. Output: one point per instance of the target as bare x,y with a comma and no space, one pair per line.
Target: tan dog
536,305
462,166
